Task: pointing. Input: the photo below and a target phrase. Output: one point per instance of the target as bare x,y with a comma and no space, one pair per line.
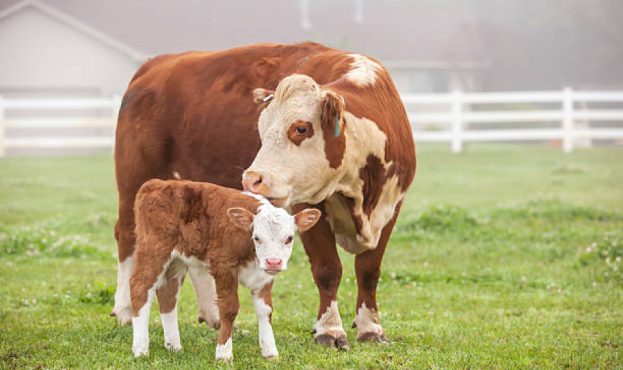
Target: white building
45,52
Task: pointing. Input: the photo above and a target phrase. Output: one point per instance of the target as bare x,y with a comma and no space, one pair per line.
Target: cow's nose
254,182
273,263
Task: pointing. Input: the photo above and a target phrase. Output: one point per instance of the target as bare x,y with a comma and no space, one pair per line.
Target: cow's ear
306,219
241,217
332,113
263,96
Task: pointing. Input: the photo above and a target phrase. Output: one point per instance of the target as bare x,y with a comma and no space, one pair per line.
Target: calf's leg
263,304
368,271
205,290
228,305
167,302
319,243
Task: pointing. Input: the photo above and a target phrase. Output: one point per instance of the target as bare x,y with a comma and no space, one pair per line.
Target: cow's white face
272,231
299,128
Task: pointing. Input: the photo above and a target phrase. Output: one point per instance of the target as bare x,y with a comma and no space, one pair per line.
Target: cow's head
302,132
272,230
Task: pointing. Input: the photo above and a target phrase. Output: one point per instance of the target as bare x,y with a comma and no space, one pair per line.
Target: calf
235,236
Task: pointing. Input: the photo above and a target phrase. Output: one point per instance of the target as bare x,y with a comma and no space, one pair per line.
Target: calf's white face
272,231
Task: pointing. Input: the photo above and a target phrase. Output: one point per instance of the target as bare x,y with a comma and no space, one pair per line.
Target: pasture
503,257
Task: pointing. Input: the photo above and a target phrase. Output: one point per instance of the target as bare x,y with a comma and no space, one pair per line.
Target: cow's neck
366,192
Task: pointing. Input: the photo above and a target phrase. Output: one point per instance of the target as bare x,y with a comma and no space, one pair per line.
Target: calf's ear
306,219
241,217
262,96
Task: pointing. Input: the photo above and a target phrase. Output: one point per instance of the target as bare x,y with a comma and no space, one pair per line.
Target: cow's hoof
338,341
212,323
124,316
373,338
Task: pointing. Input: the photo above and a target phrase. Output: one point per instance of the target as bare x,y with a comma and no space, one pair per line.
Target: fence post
457,121
116,106
2,124
567,121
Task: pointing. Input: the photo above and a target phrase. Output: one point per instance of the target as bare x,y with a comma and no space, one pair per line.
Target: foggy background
429,45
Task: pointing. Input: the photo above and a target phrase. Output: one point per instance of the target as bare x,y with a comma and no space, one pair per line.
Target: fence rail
456,118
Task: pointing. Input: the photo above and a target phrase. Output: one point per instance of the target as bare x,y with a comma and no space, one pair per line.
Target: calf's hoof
334,340
373,338
140,351
124,316
212,323
173,347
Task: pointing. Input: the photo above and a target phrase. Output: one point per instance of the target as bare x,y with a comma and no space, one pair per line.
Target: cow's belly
341,221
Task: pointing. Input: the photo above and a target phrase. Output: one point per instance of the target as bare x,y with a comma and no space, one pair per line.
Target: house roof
76,24
402,33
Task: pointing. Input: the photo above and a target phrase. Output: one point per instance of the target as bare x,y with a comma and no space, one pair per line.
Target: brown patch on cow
299,131
374,177
333,127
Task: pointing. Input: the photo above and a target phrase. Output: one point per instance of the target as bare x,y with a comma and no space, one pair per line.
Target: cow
233,236
308,125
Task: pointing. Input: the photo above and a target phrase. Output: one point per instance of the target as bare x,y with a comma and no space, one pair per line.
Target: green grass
504,257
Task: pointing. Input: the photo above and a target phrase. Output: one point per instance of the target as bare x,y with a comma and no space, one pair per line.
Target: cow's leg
228,305
124,233
319,243
167,301
263,303
205,290
368,270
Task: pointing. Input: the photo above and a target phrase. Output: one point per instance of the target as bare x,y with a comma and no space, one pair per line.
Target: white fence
562,116
565,116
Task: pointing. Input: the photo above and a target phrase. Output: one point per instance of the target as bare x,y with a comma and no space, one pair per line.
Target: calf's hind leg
263,304
167,302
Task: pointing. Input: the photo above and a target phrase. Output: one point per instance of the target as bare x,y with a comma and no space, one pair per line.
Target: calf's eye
289,240
256,239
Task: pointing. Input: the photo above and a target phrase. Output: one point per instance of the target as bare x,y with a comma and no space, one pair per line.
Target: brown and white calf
233,236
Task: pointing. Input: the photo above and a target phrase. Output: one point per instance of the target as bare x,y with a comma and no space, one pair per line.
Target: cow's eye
301,130
289,240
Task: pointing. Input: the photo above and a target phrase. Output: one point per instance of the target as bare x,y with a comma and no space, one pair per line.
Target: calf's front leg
262,301
228,305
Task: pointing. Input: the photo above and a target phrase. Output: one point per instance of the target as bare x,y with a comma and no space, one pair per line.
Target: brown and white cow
334,134
233,236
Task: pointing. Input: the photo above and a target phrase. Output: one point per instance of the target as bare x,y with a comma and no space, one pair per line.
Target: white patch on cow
205,289
224,352
140,327
330,322
171,330
123,305
368,321
266,336
363,70
253,277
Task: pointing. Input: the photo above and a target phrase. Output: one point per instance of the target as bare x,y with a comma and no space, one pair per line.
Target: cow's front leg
368,271
319,243
262,301
228,305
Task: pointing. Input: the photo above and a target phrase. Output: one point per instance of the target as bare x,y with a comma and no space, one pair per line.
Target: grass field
503,257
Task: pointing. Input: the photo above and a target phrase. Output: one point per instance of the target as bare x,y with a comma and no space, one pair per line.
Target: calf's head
303,142
272,231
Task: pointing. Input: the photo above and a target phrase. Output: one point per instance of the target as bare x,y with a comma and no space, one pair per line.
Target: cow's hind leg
205,290
168,294
368,271
319,243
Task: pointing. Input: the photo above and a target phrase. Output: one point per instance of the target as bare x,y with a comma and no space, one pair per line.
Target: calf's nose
254,182
273,263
